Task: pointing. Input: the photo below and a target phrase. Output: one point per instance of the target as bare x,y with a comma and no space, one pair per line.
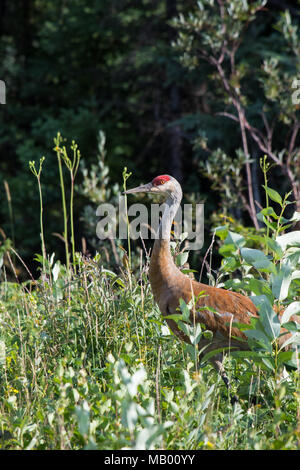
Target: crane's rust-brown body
169,285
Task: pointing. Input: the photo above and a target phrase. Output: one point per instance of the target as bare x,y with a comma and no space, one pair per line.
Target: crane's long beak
144,188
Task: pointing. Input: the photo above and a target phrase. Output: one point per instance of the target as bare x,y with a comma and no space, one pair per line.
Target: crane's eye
162,182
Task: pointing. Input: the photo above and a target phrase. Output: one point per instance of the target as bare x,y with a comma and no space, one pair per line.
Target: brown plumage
169,285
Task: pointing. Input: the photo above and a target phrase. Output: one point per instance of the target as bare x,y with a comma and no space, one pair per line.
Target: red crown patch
162,179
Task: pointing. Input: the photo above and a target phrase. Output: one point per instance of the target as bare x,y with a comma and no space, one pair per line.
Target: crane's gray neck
171,207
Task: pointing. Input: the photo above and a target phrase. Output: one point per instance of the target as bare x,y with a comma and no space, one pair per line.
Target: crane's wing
216,308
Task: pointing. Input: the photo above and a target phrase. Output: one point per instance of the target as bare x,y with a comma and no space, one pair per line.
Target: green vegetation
86,360
178,87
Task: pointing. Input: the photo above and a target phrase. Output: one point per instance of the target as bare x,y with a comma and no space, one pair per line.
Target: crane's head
163,184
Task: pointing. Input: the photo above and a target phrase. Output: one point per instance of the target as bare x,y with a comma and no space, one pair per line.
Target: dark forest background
82,66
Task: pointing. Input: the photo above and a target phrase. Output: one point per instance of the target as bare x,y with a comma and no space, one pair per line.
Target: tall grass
57,141
37,174
87,361
98,372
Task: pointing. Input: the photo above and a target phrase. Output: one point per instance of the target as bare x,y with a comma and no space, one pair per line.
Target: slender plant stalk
10,211
125,178
58,150
72,220
63,195
284,204
157,384
73,167
11,217
37,174
265,166
41,222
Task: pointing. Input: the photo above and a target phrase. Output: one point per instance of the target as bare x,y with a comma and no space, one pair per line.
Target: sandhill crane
169,285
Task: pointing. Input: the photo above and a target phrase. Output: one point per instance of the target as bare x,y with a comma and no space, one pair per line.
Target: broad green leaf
227,250
291,326
187,271
296,275
296,217
274,195
230,263
274,246
289,239
283,228
260,337
55,271
174,316
269,362
284,356
146,437
289,358
271,225
281,282
136,379
196,335
131,381
235,239
129,414
2,353
193,352
294,339
267,241
259,287
257,259
184,310
182,258
269,211
293,255
268,318
185,327
83,417
221,231
187,382
292,309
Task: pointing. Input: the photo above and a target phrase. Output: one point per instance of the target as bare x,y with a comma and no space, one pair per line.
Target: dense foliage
86,360
79,67
200,90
